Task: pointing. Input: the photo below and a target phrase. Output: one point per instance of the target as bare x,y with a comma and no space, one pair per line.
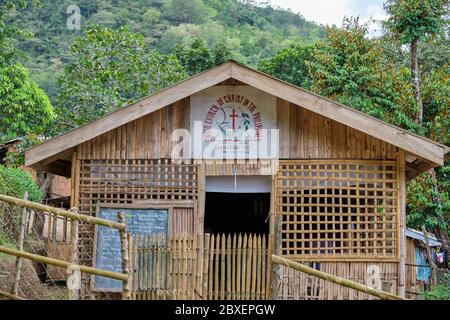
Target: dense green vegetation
14,182
250,32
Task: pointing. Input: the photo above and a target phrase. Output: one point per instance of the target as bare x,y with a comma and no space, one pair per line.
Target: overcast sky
333,11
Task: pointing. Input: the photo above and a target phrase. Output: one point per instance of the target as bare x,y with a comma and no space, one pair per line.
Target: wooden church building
235,151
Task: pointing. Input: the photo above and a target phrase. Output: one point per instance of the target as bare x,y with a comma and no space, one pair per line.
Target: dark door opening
237,213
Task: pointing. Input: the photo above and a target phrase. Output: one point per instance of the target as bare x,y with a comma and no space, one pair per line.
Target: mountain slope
249,30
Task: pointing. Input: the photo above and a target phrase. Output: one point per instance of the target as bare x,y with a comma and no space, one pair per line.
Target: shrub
439,292
14,182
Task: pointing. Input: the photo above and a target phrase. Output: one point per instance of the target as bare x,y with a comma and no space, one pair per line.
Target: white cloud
375,14
333,11
321,11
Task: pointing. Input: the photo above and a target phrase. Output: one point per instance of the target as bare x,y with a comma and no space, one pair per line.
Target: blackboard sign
107,246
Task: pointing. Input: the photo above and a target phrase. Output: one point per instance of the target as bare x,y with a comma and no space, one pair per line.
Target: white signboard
234,122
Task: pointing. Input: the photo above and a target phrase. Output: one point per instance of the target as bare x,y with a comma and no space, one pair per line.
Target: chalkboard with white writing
107,247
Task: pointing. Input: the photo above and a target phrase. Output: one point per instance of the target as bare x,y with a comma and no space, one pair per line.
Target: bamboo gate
229,267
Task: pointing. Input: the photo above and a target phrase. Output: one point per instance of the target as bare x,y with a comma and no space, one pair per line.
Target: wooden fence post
430,258
73,279
276,250
401,187
22,229
124,249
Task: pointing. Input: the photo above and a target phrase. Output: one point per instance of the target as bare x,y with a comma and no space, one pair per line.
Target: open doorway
231,213
240,206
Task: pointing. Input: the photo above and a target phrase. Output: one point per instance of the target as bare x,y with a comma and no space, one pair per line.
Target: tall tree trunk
440,232
416,82
44,181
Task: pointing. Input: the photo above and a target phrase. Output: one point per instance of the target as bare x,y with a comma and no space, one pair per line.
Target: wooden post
401,178
430,259
199,230
10,296
22,230
124,249
72,280
276,250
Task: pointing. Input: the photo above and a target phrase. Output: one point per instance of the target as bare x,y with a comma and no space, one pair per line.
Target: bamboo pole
72,287
63,264
430,258
401,185
274,276
10,296
124,249
18,266
60,212
334,279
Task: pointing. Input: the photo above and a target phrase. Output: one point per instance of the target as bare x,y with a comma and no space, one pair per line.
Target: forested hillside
249,31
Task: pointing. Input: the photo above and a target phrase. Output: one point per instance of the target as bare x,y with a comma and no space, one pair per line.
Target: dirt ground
30,286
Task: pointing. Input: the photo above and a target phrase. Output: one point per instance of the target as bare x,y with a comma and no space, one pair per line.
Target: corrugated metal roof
418,235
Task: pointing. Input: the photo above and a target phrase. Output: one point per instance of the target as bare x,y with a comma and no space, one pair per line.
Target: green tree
412,21
14,182
9,32
351,69
24,107
290,64
110,68
196,57
429,194
221,54
187,11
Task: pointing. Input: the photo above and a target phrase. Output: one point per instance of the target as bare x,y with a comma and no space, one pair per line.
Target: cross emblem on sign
233,116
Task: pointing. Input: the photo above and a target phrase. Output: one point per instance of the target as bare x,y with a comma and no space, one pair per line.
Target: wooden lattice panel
338,209
127,182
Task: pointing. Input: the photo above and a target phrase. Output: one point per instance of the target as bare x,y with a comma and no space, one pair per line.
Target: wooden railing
72,265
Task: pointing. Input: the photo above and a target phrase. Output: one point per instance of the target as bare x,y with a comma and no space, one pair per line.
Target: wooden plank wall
145,138
413,287
303,135
296,285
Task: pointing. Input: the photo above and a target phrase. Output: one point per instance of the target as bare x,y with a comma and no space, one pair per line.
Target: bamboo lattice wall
133,181
338,209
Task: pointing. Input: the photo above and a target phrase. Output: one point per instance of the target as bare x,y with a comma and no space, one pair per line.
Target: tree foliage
249,29
414,20
290,64
14,182
187,11
196,57
352,69
24,107
10,32
109,69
